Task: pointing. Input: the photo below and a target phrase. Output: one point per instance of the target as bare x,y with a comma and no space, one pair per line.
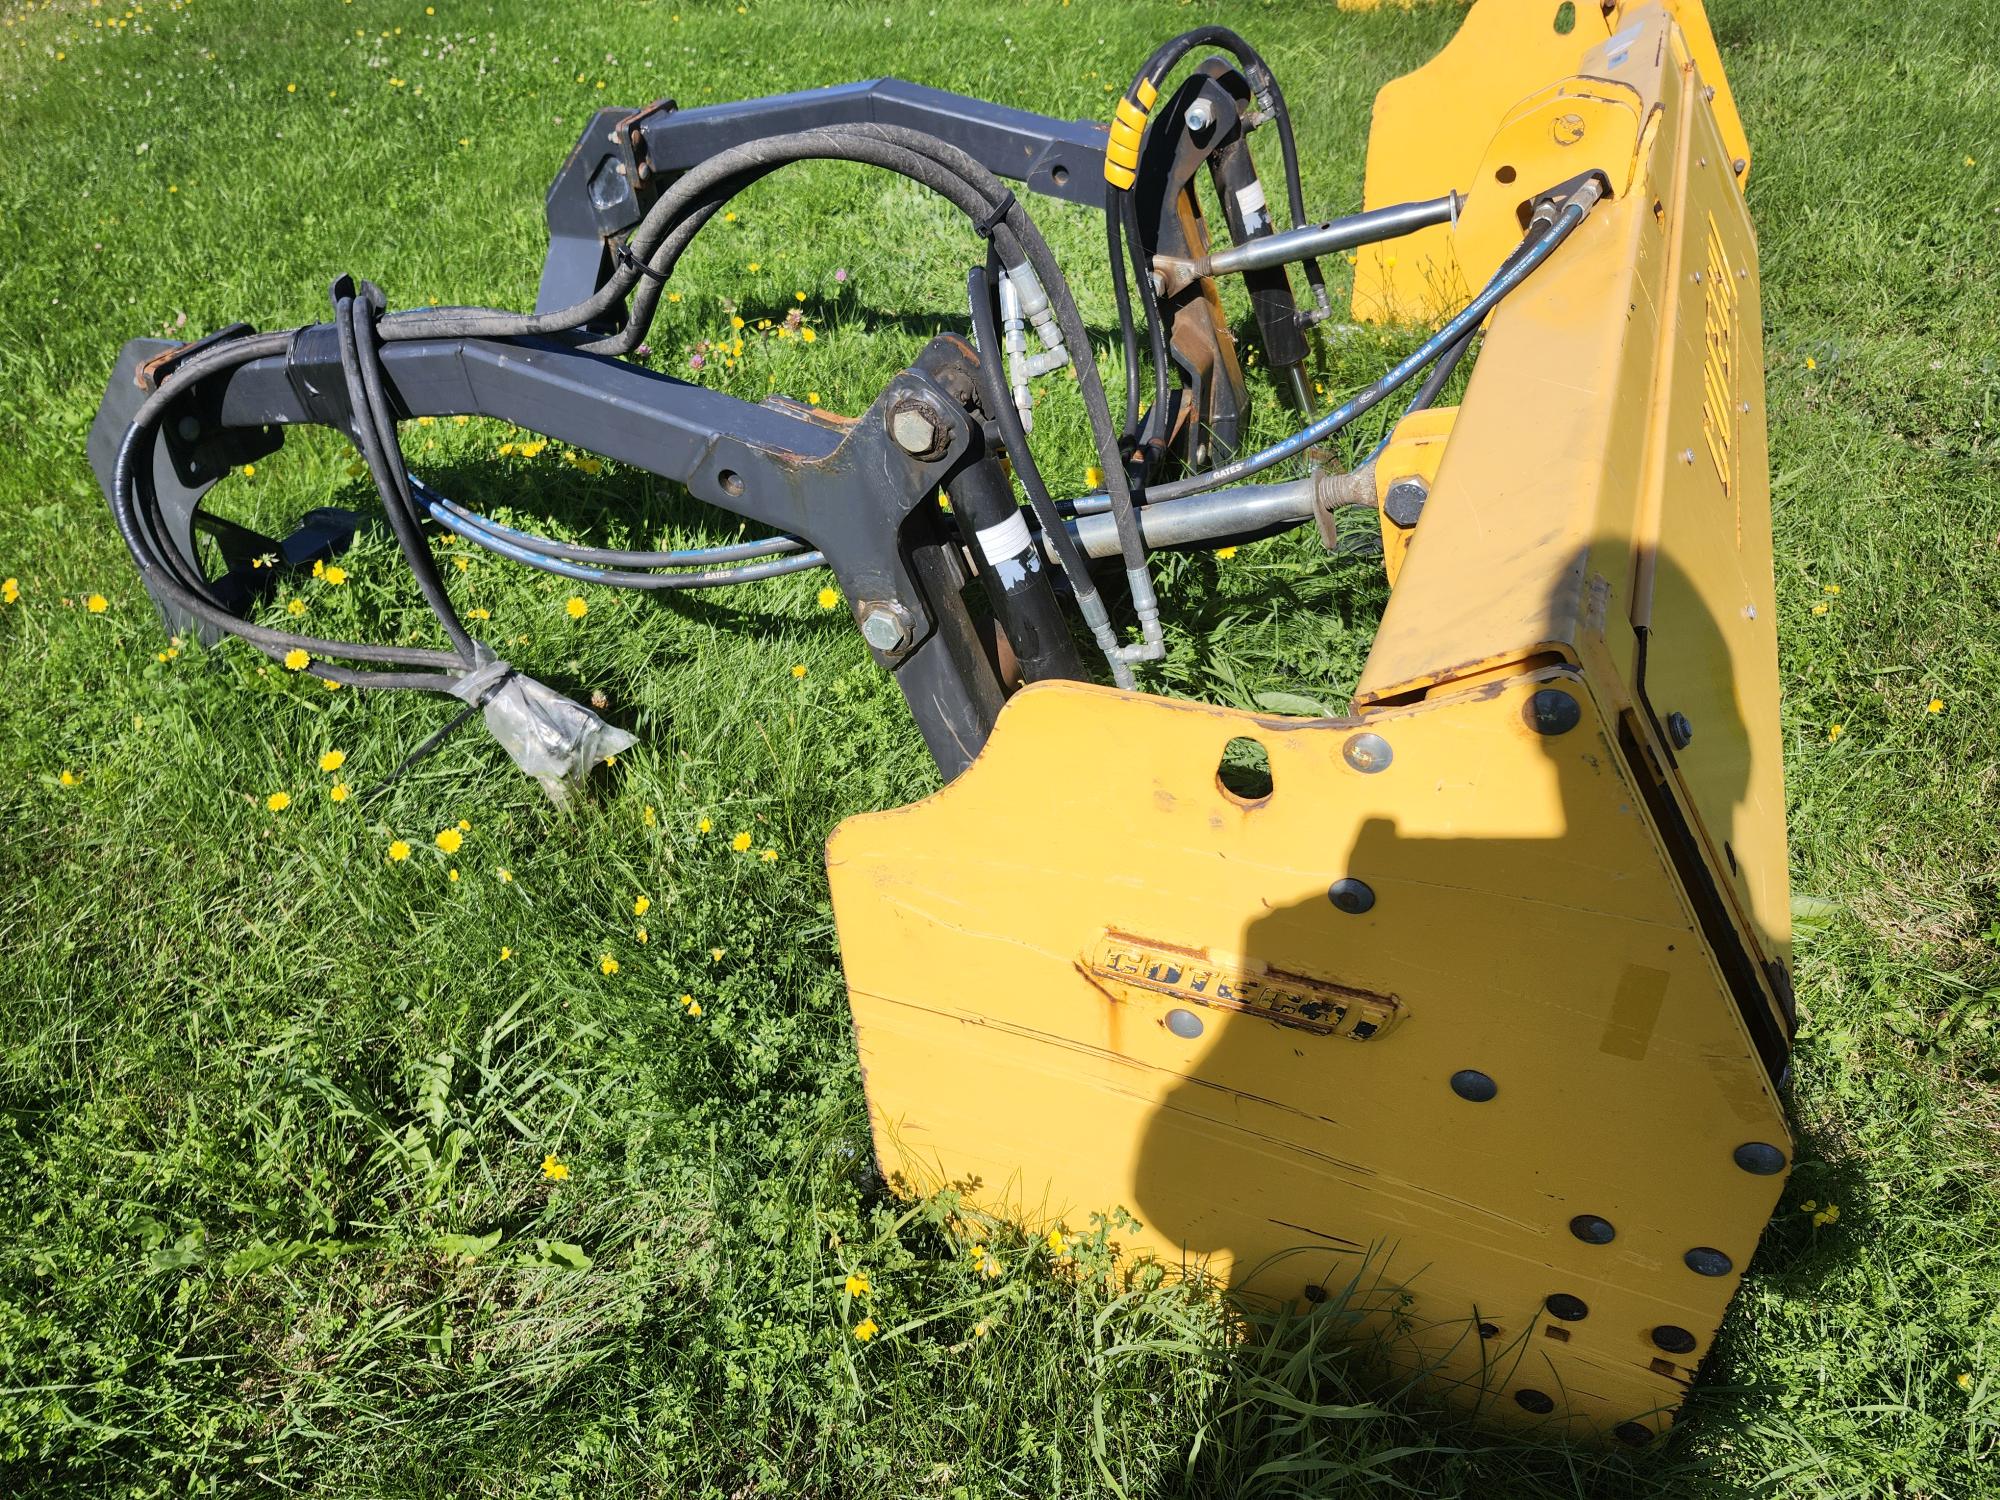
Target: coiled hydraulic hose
1121,214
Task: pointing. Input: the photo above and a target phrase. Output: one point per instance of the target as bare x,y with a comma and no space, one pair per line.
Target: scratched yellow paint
1087,976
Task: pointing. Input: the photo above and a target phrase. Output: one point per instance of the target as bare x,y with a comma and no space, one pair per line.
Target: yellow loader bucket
1492,980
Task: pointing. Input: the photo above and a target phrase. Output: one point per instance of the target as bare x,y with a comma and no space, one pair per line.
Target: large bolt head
883,628
1199,116
1404,502
917,430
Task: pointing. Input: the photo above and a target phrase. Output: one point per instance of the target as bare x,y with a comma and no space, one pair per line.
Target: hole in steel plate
1245,770
1504,174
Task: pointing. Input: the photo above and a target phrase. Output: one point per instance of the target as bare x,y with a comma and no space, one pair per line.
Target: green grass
266,1098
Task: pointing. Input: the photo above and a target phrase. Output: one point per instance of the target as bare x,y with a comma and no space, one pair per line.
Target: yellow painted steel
1546,848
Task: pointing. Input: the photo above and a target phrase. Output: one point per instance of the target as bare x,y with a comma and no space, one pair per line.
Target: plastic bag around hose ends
554,739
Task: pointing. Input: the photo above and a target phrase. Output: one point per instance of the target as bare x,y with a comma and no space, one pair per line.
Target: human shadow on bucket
1489,1081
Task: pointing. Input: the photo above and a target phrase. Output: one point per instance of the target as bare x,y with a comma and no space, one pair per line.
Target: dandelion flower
97,604
643,936
1820,608
740,843
249,471
452,874
1964,1381
829,598
338,791
753,267
857,1284
1831,588
278,801
607,966
479,614
506,953
554,1170
1835,731
1811,363
812,399
806,336
398,851
981,1329
575,607
449,839
706,825
333,760
69,778
650,817
463,826
329,684
715,955
867,1328
1225,553
504,875
296,660
335,576
296,607
1093,476
10,590
799,670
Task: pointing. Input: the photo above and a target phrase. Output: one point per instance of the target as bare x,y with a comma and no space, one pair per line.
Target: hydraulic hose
1536,248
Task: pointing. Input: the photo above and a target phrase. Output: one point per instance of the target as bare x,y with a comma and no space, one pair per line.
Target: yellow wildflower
338,791
812,399
753,267
296,607
249,471
1093,476
1225,553
981,1329
449,839
705,825
10,590
806,335
1935,706
643,936
463,826
734,321
641,905
649,817
1835,731
506,953
336,576
333,760
769,856
1811,363
1820,608
1056,1243
691,1005
479,614
1809,1205
505,875
867,1328
278,801
554,1170
715,955
1831,588
740,843
398,851
297,660
1964,1381
575,607
97,604
69,778
829,598
857,1284
452,874
607,966
329,684
798,670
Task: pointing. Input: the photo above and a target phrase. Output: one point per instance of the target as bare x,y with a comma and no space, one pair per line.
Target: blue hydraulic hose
475,530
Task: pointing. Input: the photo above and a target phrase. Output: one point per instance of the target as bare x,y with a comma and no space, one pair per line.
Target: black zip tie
436,741
622,253
986,225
